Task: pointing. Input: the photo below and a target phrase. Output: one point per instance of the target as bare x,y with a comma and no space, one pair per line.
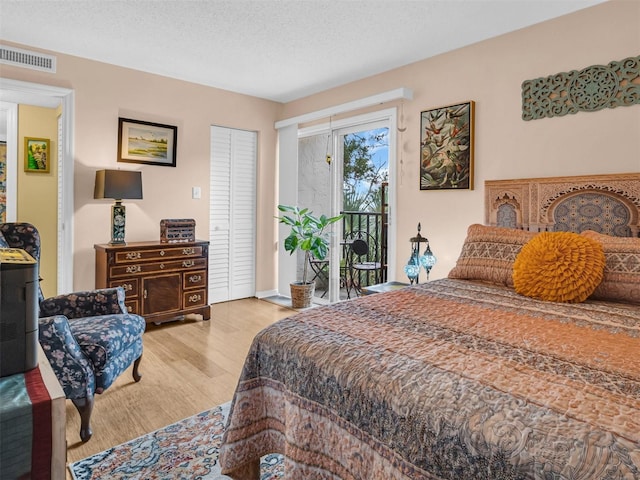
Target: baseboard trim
266,293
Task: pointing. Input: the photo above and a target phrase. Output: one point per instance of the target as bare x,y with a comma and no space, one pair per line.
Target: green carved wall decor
588,90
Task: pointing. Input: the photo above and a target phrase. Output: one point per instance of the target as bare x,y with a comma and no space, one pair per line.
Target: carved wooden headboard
608,204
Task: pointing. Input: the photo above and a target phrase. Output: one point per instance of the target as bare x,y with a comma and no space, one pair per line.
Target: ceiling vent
24,58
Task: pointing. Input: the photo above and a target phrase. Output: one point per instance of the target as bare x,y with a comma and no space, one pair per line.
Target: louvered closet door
232,214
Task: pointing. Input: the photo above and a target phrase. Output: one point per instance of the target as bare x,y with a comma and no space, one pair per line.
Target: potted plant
308,235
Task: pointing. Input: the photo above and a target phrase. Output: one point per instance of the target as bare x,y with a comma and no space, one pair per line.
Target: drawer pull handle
188,263
162,253
195,278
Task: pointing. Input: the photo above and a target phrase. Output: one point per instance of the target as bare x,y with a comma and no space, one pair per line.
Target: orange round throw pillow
559,267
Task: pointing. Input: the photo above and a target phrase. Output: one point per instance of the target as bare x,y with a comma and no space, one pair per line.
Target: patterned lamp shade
412,268
428,259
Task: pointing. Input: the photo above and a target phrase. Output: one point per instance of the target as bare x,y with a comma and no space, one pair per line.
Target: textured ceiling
275,49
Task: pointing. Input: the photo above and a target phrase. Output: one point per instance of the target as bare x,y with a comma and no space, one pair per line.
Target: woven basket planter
302,294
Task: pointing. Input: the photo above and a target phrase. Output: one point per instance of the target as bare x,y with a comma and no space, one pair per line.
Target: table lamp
118,185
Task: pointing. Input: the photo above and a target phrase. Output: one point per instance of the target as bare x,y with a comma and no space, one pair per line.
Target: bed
463,377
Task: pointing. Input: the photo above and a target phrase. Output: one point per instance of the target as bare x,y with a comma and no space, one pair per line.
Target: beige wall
491,74
38,192
105,92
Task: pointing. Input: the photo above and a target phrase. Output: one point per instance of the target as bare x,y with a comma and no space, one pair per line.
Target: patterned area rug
187,449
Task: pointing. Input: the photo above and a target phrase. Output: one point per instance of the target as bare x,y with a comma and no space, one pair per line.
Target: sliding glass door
342,169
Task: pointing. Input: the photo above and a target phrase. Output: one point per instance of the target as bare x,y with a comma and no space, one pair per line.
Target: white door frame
15,91
390,117
10,110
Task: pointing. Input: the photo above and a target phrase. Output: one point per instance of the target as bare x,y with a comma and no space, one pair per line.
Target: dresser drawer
150,255
132,306
194,279
131,286
195,298
157,267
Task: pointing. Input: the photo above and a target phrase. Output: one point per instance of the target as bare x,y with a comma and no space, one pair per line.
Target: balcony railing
369,225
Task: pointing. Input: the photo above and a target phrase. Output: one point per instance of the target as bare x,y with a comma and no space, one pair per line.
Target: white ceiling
280,50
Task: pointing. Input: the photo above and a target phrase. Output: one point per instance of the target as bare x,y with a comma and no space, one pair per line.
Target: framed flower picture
37,158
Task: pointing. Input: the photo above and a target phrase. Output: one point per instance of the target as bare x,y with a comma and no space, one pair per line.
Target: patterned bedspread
445,380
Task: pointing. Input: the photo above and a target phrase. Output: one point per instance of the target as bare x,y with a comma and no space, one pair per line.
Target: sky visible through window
378,142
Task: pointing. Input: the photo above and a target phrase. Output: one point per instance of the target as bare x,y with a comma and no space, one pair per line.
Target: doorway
346,168
19,92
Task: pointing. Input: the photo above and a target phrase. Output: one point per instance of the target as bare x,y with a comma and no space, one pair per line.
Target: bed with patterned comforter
452,379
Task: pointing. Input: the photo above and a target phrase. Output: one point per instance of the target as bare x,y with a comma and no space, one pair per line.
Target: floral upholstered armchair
88,337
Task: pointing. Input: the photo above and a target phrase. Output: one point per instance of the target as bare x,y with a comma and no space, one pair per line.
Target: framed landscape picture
37,155
146,142
446,147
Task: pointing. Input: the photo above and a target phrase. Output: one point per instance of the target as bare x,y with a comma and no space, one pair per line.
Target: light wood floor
187,367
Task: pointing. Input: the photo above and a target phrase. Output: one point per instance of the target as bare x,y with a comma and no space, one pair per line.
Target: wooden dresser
163,281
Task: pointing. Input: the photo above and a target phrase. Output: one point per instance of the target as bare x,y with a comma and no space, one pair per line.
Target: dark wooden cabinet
163,281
